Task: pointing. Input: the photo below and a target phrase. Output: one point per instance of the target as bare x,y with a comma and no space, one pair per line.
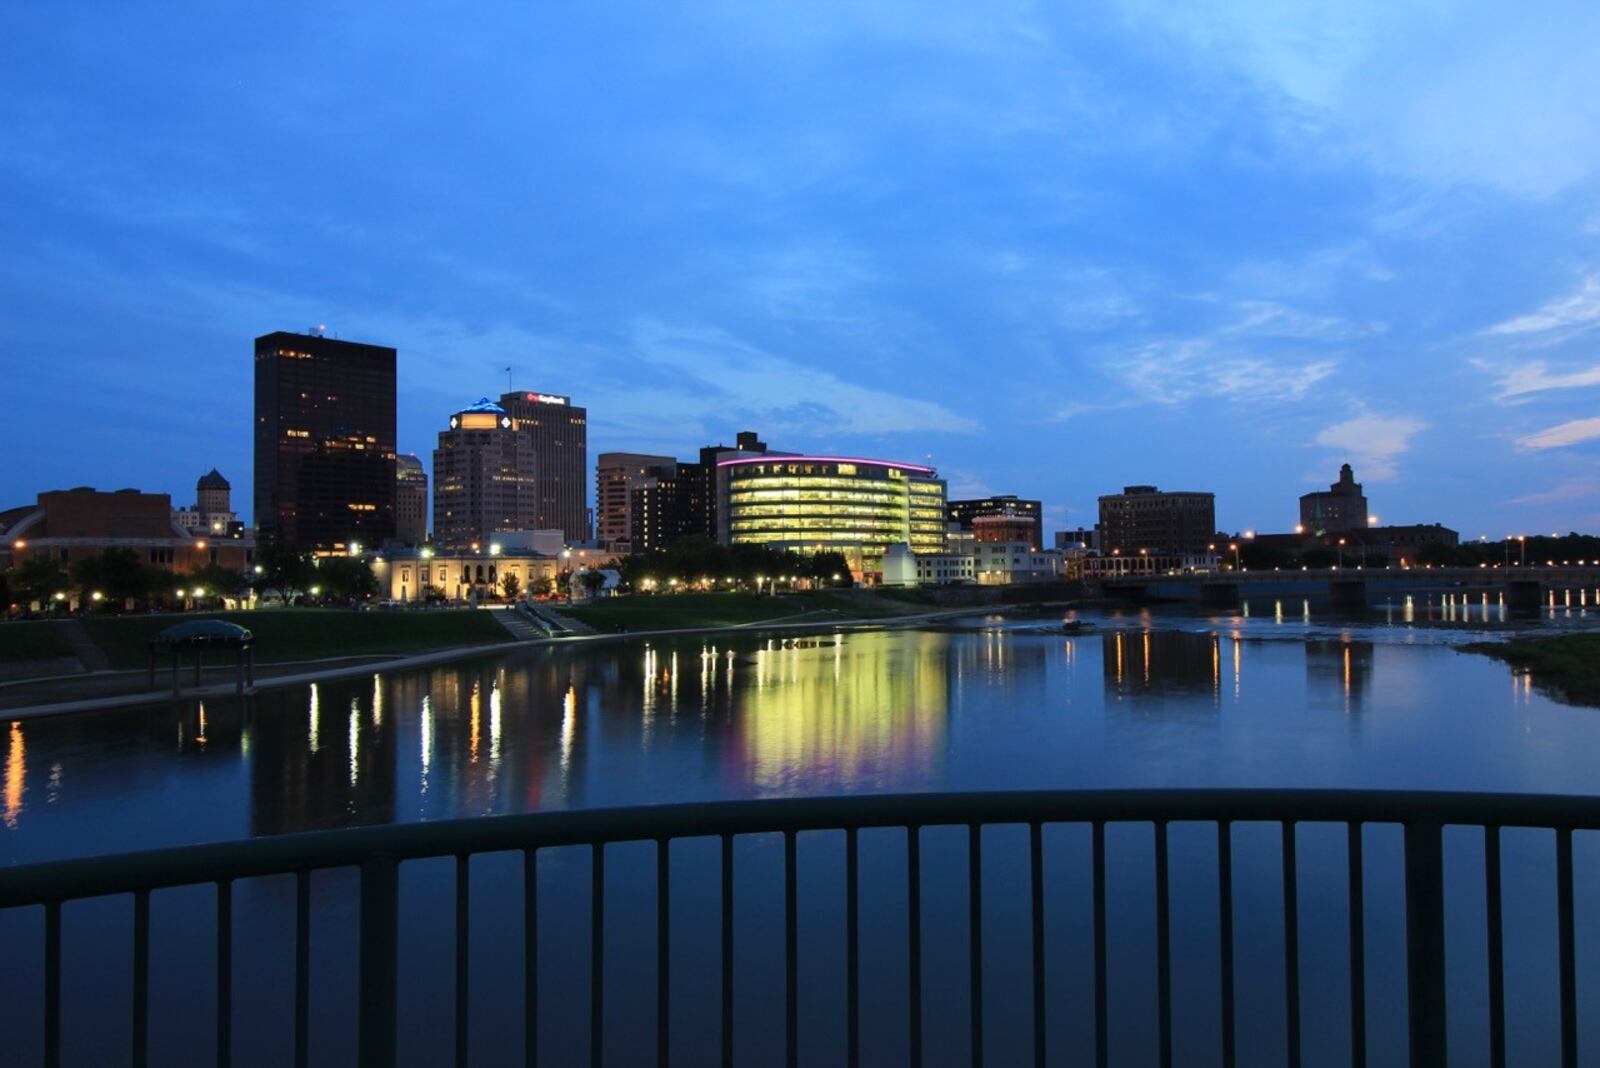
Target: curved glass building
833,503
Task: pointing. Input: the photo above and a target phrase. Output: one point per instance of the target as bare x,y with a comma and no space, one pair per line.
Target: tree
593,581
118,575
40,579
347,578
284,571
219,581
510,585
829,568
543,585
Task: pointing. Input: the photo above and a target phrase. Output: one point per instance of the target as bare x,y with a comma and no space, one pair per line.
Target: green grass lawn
1567,665
309,633
32,640
669,611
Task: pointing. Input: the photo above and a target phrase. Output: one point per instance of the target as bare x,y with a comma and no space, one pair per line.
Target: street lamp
1341,552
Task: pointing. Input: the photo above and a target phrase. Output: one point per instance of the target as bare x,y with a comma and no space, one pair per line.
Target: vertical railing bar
302,968
1291,943
1567,949
52,984
141,978
1225,935
1163,945
530,956
463,951
377,1001
1102,1038
852,922
597,954
1494,924
224,973
914,937
1358,947
1036,877
663,950
975,936
1424,865
791,951
727,951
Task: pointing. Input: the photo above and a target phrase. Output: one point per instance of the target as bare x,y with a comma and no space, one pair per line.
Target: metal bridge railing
379,851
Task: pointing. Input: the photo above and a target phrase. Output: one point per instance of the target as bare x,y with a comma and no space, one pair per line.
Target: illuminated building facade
559,431
484,477
462,574
410,501
324,441
616,476
830,503
212,514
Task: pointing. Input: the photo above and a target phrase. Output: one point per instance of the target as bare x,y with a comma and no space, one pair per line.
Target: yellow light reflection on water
426,733
474,712
569,727
314,719
355,740
16,773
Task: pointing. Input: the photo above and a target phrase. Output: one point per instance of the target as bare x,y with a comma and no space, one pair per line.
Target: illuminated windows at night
858,507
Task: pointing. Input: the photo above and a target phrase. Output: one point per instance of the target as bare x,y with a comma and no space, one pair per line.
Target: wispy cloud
1573,432
1578,310
1536,377
1372,442
1576,490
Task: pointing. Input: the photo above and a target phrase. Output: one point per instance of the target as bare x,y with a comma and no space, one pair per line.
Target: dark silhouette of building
1342,507
410,501
324,441
559,431
616,476
1161,524
963,512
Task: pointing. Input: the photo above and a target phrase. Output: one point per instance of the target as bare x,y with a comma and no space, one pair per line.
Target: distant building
70,525
484,477
410,501
1015,563
857,507
1083,539
1009,529
965,511
1161,524
1342,507
616,476
324,441
902,567
212,513
559,431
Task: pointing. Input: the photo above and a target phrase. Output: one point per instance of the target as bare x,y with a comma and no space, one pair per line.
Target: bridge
1522,587
993,949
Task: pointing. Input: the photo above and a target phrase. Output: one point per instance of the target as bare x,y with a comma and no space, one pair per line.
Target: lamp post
1341,554
1238,561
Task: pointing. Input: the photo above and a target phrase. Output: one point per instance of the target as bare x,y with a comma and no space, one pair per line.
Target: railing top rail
188,865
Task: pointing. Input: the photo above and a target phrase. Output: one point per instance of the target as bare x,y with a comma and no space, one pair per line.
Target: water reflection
16,773
1159,664
987,707
1338,673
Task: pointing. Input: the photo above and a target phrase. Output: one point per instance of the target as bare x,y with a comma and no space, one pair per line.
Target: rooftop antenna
320,330
508,380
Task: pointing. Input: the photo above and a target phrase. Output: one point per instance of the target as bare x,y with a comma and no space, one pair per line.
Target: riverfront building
1030,513
1143,520
410,501
1341,508
66,526
616,476
212,514
559,431
324,441
484,477
854,506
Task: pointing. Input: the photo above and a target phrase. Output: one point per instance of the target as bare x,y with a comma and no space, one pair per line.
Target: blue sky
1055,248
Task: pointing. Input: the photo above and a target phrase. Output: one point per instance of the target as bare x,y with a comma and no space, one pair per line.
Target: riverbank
1566,666
127,689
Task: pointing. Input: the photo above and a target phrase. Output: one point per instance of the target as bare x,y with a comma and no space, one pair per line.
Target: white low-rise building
1013,563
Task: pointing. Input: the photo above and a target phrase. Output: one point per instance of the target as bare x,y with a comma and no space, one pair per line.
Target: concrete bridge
1523,587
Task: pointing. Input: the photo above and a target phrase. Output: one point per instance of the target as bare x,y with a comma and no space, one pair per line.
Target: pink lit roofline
822,460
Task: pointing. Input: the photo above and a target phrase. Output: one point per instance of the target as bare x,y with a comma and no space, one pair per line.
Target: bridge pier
1525,594
1348,593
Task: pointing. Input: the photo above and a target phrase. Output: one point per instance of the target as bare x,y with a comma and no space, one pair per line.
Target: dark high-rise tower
560,432
325,441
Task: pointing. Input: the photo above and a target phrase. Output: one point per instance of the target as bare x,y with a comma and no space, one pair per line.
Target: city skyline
1086,258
